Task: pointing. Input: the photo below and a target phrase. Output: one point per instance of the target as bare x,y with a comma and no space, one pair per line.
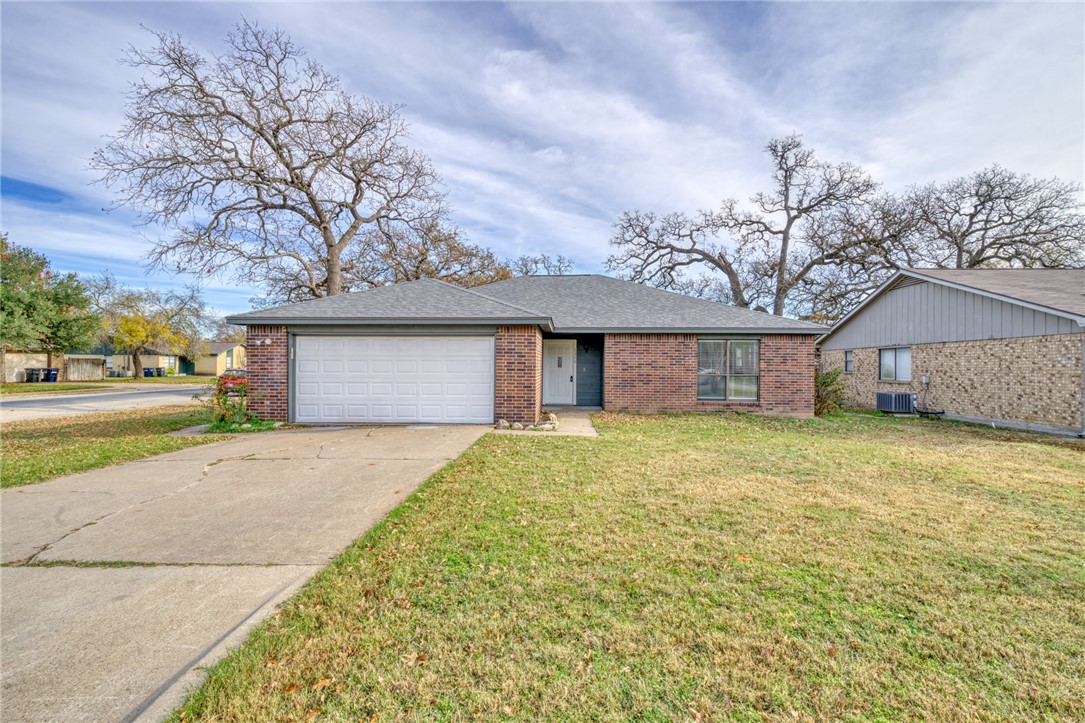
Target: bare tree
993,217
439,252
261,165
762,255
542,265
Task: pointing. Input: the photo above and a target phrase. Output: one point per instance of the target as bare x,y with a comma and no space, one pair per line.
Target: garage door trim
488,333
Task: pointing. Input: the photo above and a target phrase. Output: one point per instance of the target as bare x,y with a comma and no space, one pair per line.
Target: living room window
727,369
895,365
849,361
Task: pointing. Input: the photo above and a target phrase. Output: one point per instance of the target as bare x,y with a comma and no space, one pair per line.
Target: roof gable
1064,287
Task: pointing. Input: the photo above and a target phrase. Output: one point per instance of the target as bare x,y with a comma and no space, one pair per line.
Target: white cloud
548,120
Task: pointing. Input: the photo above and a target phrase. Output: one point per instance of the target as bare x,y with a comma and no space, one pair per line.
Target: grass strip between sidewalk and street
716,567
35,388
40,449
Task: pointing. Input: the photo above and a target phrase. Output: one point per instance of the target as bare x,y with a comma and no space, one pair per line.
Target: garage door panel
394,379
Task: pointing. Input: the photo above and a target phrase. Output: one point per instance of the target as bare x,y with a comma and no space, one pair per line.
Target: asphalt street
64,405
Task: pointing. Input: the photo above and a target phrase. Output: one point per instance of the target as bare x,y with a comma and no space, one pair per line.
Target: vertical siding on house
926,312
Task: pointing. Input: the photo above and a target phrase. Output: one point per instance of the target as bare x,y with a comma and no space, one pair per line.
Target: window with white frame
895,365
849,361
727,369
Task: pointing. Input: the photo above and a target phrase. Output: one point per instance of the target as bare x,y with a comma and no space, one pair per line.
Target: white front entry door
559,371
442,379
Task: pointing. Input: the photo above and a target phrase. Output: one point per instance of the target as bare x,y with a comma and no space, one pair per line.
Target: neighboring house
121,364
221,355
1001,346
428,351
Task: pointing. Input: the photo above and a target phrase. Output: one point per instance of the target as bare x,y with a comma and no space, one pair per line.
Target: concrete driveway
157,567
113,400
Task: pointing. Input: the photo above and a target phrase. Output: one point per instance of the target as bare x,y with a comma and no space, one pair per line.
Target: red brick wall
658,373
518,374
267,362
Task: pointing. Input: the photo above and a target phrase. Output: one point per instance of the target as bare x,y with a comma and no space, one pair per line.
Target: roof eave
687,330
544,322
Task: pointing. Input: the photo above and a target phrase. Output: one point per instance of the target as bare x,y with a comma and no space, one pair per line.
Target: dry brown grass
699,567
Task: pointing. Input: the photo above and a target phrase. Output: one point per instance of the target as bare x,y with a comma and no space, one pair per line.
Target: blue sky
547,120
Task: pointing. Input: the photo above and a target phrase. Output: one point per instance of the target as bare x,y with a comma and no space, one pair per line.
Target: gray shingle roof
596,303
425,300
1058,289
590,303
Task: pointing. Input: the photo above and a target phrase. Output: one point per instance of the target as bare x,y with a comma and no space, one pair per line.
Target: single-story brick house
997,346
428,351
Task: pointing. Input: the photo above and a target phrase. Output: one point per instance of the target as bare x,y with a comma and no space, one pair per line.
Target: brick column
518,374
267,361
787,374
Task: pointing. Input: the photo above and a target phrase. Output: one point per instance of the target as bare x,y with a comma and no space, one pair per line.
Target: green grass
698,568
41,449
42,387
254,425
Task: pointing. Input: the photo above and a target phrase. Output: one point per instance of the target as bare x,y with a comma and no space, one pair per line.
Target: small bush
828,392
229,400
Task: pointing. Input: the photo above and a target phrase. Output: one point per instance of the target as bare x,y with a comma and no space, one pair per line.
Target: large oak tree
261,166
760,254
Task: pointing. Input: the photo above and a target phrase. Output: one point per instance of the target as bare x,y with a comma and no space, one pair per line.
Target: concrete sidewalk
157,567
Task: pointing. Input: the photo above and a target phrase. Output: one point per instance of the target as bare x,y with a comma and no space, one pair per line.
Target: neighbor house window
895,365
727,369
849,361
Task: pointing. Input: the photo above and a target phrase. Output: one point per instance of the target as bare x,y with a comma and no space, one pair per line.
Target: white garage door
445,379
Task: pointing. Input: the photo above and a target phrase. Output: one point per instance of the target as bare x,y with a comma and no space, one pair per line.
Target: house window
895,365
727,369
229,358
849,361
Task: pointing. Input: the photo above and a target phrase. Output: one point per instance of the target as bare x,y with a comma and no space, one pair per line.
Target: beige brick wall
1033,380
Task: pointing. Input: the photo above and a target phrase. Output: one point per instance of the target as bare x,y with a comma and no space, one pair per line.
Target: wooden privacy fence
82,370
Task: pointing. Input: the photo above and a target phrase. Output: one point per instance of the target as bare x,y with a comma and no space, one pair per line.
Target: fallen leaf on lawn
322,683
415,659
744,558
292,688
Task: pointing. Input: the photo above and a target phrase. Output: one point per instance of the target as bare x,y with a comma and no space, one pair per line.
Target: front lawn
699,568
41,449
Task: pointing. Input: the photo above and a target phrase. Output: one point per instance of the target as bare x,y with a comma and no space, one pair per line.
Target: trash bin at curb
51,374
148,372
160,371
33,375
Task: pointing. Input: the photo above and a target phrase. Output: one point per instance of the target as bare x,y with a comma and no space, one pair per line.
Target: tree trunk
137,366
335,271
56,361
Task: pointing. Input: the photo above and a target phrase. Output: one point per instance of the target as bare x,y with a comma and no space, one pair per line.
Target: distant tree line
824,235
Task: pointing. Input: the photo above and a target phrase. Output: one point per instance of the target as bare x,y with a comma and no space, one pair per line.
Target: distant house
222,355
1001,346
121,364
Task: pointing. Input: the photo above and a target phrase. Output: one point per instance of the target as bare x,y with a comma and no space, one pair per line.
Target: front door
559,371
